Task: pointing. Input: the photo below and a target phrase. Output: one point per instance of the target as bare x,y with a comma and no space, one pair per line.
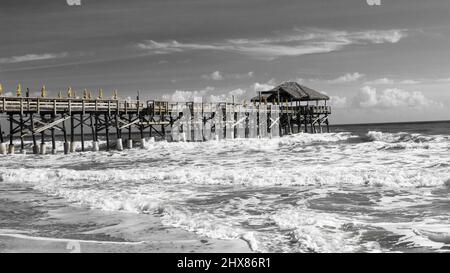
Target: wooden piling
52,130
104,113
130,141
35,146
11,134
72,133
66,144
82,131
107,131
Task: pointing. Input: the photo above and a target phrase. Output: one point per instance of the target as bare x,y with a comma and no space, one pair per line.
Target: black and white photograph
233,127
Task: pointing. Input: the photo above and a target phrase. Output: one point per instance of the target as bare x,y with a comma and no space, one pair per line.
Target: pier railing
31,117
77,105
69,105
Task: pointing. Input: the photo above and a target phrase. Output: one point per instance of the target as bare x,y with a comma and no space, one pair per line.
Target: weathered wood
21,132
47,125
82,131
107,131
198,121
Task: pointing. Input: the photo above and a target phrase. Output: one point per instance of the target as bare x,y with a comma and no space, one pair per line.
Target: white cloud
216,76
32,57
188,96
369,97
237,94
264,86
338,102
295,43
381,81
250,74
349,77
346,78
408,82
444,80
205,95
390,81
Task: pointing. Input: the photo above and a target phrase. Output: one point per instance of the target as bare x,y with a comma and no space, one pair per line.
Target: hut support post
305,120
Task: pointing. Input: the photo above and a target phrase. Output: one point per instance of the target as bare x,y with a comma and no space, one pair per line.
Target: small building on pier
276,112
291,92
296,108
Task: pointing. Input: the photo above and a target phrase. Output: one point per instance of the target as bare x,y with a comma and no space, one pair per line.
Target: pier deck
188,121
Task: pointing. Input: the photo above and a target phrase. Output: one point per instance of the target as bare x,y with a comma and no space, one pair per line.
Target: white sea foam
184,183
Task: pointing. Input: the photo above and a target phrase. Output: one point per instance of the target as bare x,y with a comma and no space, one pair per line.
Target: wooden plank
47,126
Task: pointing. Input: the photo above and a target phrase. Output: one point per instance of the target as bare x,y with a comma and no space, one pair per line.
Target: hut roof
292,91
298,92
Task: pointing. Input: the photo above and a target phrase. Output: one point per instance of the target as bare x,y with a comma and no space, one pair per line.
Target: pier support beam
72,134
82,131
3,149
11,149
66,144
35,146
11,135
21,133
141,131
107,131
52,130
130,141
119,144
66,147
43,149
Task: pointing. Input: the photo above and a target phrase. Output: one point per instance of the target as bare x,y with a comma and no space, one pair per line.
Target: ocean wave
259,176
403,137
320,232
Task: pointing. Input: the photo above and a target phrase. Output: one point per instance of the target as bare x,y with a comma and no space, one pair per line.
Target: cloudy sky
378,63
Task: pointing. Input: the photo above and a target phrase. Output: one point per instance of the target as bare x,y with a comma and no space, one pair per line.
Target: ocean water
361,188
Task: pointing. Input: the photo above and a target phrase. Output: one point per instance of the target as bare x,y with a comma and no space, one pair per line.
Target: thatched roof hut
291,91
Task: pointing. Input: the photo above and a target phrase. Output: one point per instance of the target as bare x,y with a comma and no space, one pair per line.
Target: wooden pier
42,119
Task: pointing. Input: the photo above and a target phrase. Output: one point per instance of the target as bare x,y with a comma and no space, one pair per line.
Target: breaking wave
242,188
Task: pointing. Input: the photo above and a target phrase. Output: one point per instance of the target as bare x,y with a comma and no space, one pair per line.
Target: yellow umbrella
69,92
43,92
19,90
1,90
100,93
